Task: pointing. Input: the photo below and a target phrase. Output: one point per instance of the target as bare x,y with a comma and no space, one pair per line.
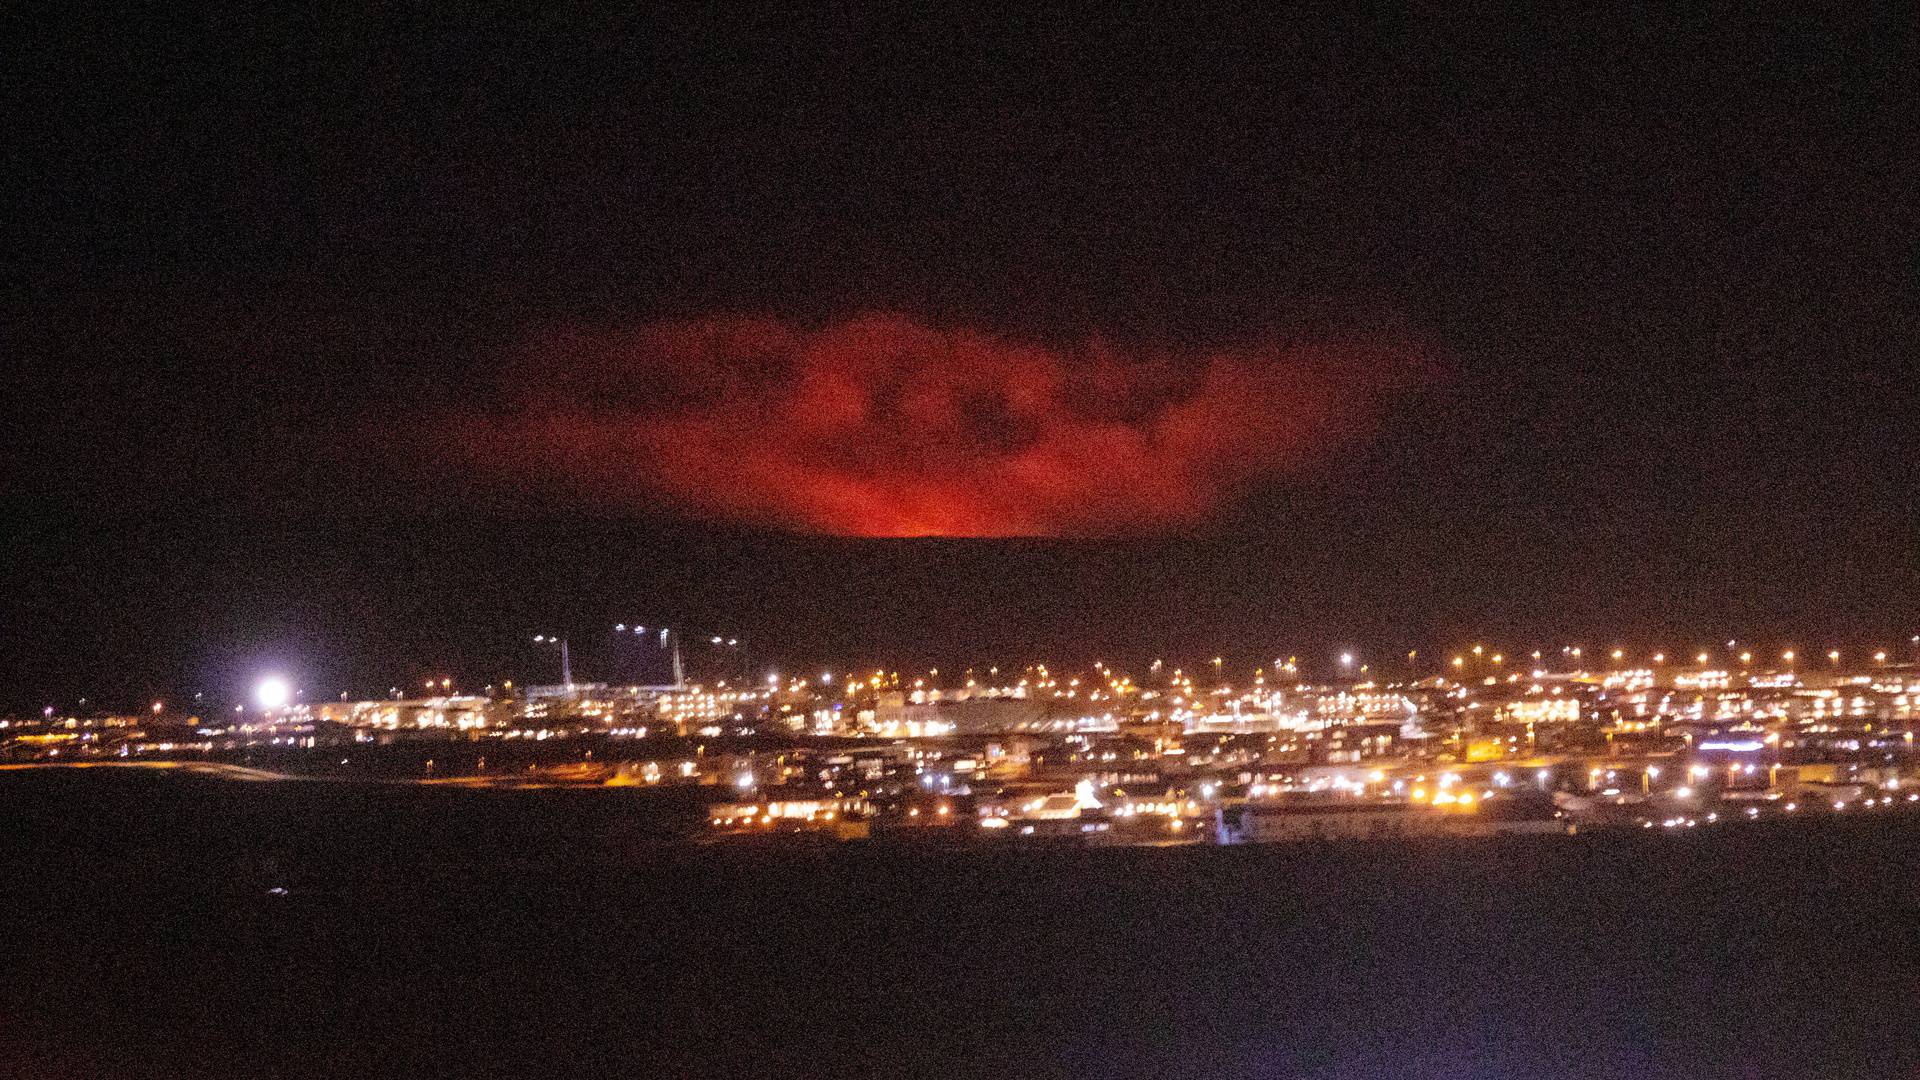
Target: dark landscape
540,933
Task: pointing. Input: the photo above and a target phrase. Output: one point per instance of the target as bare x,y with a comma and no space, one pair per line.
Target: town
1484,743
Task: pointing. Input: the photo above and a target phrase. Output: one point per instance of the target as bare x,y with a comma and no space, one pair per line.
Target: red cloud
884,426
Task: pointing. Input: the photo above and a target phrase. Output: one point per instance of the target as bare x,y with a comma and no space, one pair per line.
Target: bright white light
1084,795
272,692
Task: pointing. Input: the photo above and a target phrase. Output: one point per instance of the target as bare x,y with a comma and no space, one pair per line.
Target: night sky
366,348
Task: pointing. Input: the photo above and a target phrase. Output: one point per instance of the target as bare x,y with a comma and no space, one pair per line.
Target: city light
271,692
1121,750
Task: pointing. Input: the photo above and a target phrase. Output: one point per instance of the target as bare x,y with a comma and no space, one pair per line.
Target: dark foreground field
476,934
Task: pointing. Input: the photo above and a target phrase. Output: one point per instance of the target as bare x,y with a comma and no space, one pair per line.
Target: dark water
473,934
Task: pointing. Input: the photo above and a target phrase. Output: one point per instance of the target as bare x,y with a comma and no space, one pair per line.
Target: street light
272,692
566,658
667,635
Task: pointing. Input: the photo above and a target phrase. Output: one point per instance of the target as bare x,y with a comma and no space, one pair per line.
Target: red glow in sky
883,426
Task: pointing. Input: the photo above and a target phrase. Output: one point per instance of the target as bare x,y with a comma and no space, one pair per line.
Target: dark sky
266,277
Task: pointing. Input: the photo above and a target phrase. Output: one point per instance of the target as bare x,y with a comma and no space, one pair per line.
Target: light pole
566,659
739,654
667,635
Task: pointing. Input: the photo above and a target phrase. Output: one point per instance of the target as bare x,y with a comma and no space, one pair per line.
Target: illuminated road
203,768
224,771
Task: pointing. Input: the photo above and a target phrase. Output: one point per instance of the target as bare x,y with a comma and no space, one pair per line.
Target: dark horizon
266,279
326,616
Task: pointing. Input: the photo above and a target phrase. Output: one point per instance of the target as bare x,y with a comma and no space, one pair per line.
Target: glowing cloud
884,426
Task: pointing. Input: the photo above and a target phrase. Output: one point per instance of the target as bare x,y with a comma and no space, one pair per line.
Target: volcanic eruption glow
883,426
